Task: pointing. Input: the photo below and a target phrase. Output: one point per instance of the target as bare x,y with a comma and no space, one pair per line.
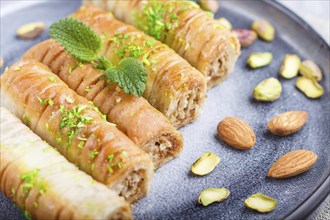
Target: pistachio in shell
309,87
268,90
257,60
264,29
211,195
260,202
310,69
205,164
31,30
290,66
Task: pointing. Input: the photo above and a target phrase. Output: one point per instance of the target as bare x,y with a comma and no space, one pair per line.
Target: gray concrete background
314,12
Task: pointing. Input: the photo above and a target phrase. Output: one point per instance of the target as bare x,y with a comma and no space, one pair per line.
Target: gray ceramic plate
174,190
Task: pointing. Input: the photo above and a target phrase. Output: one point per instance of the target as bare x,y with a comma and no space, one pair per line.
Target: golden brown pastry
173,87
193,33
76,128
146,126
44,184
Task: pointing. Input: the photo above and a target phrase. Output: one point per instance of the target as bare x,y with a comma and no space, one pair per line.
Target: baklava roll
173,87
142,123
44,184
193,33
76,128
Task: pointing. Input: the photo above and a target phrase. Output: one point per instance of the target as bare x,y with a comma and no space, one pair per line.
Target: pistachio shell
268,90
309,69
264,30
205,164
290,66
211,195
257,60
309,87
31,30
225,23
260,202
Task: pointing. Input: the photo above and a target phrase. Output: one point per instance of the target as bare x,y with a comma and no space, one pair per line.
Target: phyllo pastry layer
142,123
76,128
44,184
173,87
193,33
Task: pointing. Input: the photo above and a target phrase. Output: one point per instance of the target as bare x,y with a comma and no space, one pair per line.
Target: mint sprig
77,39
84,44
128,76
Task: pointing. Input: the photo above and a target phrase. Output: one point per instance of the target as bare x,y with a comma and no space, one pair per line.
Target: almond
236,133
292,163
287,123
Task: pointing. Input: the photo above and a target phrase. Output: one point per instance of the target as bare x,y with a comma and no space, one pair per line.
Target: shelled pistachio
309,87
1,62
246,37
264,30
260,202
257,60
225,23
268,90
205,164
209,5
290,66
310,69
31,30
211,195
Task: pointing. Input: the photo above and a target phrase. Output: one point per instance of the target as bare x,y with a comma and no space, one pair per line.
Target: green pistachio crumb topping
52,79
45,101
26,120
93,153
159,17
74,120
27,215
30,180
110,157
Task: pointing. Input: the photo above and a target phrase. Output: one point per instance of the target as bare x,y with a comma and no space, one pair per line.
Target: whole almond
287,123
236,133
292,163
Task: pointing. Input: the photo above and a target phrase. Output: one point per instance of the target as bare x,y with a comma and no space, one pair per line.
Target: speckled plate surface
174,189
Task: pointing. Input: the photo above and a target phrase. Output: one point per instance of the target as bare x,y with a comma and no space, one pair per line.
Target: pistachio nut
264,30
257,60
268,90
225,23
209,5
31,30
290,66
310,69
309,87
246,37
260,202
1,62
205,164
211,195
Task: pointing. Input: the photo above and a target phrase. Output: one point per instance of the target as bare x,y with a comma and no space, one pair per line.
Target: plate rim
322,191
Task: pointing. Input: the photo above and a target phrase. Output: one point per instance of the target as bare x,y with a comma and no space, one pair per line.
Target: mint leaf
103,63
130,75
77,39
